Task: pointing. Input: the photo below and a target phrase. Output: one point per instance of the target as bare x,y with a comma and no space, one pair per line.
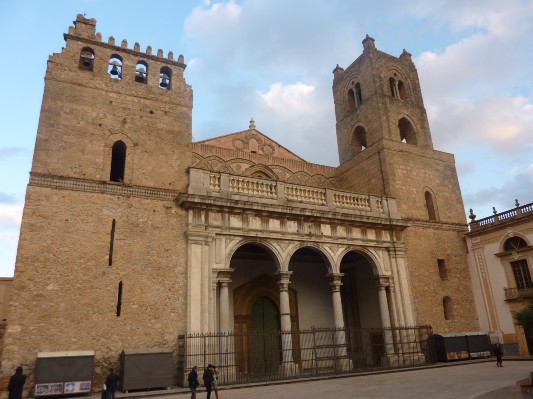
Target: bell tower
385,148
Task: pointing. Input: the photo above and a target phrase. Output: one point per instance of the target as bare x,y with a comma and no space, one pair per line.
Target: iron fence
274,355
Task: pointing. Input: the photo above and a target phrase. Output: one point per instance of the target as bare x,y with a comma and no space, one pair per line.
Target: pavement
460,380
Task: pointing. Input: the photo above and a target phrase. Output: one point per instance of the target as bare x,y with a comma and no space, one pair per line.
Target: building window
430,206
358,94
401,90
115,67
443,273
351,100
521,274
392,84
407,131
118,161
359,140
141,72
514,243
165,78
447,307
87,58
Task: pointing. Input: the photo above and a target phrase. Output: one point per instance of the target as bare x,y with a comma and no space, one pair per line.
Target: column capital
283,279
335,281
223,274
382,282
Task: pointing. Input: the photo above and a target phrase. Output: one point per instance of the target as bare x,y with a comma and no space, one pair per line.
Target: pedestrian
498,353
208,379
16,384
215,380
111,383
193,381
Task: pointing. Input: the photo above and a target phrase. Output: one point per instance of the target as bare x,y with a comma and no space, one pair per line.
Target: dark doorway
265,351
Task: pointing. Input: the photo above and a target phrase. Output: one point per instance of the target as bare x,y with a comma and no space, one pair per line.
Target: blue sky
272,59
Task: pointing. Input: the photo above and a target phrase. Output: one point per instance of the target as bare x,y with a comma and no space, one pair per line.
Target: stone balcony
278,193
517,294
502,217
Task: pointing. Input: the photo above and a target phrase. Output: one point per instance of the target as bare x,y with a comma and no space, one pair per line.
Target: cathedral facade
132,234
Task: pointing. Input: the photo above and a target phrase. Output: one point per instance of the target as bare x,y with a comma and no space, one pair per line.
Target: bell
86,59
164,81
140,75
114,71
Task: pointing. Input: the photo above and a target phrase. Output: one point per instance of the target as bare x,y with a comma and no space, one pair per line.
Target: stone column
223,304
383,283
392,306
287,367
225,344
343,363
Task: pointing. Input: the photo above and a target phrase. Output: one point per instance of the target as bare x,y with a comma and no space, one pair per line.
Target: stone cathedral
132,234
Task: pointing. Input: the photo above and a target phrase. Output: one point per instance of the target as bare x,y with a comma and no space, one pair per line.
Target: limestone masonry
133,235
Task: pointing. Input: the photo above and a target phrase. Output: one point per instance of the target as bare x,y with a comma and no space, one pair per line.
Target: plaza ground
481,380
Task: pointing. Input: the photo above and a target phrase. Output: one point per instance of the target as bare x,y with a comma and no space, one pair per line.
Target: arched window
358,94
401,90
430,206
514,243
165,78
118,161
392,84
115,67
351,100
141,72
447,306
407,132
359,140
87,58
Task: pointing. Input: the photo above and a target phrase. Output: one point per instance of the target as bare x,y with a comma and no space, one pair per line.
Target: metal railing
274,355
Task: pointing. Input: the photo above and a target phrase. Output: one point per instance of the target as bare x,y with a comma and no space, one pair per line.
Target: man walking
111,383
193,381
208,379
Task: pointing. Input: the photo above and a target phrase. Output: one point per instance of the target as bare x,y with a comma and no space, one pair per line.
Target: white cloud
290,100
10,216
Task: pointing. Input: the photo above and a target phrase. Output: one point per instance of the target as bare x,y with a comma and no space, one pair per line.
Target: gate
321,351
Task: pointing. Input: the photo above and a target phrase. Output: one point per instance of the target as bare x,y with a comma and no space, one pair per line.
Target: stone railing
510,214
513,294
273,192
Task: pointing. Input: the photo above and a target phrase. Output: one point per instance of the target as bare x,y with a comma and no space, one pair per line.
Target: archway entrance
265,345
256,296
360,305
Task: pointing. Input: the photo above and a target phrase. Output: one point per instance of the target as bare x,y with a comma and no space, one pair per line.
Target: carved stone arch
510,234
130,156
319,181
200,162
399,76
261,172
431,203
282,172
369,255
238,165
267,245
299,178
320,249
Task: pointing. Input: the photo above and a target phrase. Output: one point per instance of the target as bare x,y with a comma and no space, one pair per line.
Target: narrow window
111,242
430,206
141,72
521,274
165,78
358,94
401,90
351,100
115,67
443,273
359,140
119,299
87,58
118,161
407,131
448,308
392,84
